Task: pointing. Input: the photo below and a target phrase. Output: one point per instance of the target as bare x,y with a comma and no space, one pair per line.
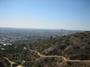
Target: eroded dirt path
47,56
56,56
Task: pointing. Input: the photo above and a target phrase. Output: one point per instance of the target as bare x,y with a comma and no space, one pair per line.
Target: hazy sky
45,14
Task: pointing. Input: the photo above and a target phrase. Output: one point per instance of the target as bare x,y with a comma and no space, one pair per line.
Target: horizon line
43,28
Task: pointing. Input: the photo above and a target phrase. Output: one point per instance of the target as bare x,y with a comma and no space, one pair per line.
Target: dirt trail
56,56
48,56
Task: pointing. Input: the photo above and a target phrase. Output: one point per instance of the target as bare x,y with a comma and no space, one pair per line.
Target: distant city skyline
45,14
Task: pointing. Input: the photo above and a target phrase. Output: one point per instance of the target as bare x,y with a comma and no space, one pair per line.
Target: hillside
74,46
77,44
